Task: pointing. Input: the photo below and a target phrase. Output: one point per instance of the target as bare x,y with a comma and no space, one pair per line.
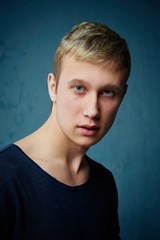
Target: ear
52,87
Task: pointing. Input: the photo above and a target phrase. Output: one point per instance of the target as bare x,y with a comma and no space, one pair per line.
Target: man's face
87,99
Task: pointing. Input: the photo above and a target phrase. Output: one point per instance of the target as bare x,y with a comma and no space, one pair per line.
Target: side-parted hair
95,43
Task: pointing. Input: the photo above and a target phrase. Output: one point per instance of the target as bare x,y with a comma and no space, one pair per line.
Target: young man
49,188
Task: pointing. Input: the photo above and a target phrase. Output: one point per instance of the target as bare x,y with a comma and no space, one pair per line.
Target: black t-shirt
36,206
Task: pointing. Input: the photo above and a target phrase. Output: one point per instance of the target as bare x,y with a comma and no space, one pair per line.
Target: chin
88,144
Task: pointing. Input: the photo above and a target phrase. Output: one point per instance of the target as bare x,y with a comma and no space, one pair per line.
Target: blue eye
108,92
79,88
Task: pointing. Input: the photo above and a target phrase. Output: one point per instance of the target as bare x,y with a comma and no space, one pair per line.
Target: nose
91,108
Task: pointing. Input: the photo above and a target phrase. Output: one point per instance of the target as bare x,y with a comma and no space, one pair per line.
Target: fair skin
85,104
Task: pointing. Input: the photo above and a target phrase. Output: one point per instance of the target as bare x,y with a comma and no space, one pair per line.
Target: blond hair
95,43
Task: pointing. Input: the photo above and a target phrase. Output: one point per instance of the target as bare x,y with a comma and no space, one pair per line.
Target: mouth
88,130
90,127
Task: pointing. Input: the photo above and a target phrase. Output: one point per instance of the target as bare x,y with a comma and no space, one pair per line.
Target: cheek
109,112
68,105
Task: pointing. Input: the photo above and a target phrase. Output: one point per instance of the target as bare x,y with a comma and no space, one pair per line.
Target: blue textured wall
29,34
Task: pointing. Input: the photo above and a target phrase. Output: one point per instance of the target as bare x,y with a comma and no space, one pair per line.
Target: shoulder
99,171
11,163
7,153
103,179
7,156
98,167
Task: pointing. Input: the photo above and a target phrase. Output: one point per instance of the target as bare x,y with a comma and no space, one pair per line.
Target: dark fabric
35,206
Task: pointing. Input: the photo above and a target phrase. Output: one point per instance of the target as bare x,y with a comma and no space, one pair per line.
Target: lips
89,130
90,127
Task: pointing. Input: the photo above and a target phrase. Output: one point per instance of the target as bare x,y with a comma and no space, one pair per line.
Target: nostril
91,114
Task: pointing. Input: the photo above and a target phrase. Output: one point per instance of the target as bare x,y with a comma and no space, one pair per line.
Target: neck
59,147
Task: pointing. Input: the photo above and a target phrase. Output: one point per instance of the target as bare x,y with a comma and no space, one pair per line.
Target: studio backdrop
29,34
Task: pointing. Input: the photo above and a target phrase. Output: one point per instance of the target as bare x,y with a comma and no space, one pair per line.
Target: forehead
73,68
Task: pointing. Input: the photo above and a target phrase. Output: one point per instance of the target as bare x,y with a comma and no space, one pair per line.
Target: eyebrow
106,86
114,87
78,81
